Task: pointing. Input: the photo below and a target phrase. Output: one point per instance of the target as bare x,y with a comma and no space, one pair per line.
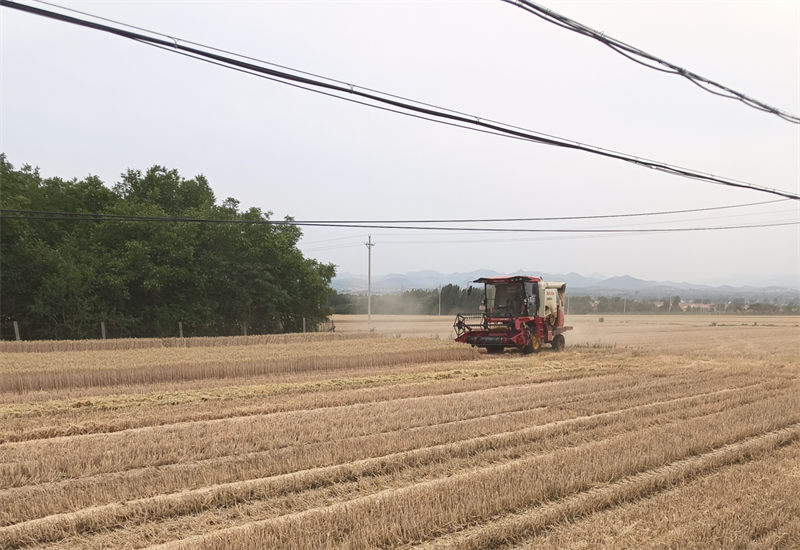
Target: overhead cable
561,218
379,100
481,241
648,60
64,216
484,220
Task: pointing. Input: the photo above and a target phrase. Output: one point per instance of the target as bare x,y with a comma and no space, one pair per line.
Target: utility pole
369,245
440,300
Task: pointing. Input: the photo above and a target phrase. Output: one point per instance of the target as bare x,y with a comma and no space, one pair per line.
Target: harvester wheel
494,349
559,342
534,345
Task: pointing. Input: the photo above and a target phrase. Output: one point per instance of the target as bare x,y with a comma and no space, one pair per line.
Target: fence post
304,324
16,331
103,329
180,329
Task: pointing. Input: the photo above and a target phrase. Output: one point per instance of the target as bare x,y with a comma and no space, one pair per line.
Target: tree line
455,300
410,302
60,278
672,305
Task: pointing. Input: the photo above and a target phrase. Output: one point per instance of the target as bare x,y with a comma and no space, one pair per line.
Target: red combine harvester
520,312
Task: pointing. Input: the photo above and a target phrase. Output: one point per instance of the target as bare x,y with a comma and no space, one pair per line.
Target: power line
336,222
503,239
560,218
771,214
387,102
550,238
304,244
648,60
59,216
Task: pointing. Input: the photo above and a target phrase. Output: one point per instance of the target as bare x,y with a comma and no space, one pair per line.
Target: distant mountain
573,280
395,282
787,281
592,285
626,282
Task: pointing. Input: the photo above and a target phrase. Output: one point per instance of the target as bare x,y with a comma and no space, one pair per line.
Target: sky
77,102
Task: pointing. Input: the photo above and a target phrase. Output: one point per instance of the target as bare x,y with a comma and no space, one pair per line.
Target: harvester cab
517,312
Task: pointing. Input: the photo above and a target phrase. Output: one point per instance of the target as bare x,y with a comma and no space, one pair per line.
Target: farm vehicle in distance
518,312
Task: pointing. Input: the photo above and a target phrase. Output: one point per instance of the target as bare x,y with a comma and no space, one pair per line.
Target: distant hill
787,287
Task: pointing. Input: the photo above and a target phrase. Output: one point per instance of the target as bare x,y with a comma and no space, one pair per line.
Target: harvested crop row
76,456
505,446
286,382
115,413
451,373
425,510
139,534
571,364
177,357
21,382
751,505
78,417
38,501
123,344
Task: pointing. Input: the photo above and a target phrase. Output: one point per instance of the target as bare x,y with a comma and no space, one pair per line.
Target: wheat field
646,432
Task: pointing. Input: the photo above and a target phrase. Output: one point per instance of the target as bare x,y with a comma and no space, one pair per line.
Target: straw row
43,346
40,381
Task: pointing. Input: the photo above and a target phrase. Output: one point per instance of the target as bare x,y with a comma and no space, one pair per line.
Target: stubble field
646,432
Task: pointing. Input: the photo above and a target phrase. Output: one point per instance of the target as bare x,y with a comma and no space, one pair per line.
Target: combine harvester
518,312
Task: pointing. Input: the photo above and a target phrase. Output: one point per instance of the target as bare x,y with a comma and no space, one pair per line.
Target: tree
59,279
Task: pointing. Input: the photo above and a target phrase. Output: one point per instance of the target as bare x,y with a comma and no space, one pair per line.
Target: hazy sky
77,102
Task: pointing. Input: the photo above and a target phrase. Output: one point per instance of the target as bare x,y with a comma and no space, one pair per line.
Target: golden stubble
384,442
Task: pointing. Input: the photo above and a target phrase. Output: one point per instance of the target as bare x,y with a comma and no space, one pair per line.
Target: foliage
60,279
410,302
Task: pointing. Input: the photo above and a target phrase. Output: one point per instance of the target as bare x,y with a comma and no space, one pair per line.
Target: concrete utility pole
440,300
369,245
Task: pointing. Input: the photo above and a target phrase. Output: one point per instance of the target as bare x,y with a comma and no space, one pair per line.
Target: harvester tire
494,349
559,342
533,346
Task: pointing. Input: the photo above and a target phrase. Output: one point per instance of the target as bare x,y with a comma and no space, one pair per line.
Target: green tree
59,279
